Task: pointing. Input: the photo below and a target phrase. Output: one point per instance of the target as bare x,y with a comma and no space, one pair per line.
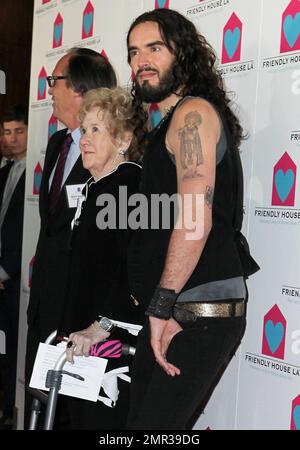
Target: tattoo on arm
191,155
209,196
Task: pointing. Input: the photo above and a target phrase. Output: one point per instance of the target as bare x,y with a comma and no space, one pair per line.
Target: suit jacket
50,270
10,260
12,230
4,171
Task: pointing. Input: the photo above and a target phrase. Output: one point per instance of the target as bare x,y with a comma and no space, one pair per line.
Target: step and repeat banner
258,48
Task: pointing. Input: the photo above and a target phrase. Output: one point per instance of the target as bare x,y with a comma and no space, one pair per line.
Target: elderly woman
98,285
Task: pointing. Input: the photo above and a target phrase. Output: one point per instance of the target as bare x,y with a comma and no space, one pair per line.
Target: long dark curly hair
194,71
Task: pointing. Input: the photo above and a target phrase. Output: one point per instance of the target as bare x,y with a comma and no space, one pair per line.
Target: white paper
91,368
74,194
110,385
132,328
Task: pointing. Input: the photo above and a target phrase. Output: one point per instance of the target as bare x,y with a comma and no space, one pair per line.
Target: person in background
5,154
77,72
12,190
111,145
192,287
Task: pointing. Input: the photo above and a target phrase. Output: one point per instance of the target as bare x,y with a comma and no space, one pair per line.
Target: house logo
30,271
155,116
161,4
232,38
290,28
57,31
52,126
103,53
88,21
274,331
42,84
284,182
37,178
295,414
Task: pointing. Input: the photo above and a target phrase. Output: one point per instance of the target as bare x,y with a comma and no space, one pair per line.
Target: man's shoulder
195,111
190,104
56,137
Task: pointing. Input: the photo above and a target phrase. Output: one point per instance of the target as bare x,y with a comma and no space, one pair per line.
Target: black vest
219,260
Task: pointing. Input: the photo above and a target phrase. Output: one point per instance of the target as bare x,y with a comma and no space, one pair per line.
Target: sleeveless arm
192,137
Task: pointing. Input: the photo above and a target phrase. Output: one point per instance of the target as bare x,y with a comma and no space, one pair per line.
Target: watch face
105,323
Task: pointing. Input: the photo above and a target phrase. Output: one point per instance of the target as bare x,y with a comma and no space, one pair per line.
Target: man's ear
77,94
77,99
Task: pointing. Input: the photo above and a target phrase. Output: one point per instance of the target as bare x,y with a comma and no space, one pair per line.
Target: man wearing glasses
63,175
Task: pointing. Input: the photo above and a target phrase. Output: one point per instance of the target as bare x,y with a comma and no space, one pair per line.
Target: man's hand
162,332
84,339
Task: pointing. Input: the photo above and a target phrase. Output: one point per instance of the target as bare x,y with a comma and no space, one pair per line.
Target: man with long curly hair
194,289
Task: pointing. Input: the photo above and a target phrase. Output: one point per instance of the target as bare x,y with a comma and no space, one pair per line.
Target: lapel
52,153
4,171
63,215
19,191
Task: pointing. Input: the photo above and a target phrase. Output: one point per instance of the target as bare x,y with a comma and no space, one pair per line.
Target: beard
156,94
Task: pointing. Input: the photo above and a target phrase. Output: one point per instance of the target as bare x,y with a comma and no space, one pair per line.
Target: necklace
112,167
165,117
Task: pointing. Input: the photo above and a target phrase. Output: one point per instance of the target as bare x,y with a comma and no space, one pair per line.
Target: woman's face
98,149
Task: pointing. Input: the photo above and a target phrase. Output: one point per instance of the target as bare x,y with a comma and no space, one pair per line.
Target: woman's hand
80,342
162,332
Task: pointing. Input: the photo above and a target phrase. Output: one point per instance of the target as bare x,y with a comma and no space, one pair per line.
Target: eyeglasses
51,79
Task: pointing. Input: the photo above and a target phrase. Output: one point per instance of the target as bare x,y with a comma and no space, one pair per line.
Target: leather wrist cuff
161,304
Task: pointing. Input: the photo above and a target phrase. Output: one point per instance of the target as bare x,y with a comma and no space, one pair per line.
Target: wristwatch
106,324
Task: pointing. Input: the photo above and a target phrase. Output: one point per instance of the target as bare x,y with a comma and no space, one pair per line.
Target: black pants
87,415
202,351
9,322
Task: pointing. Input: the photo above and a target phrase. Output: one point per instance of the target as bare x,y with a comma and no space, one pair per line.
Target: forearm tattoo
209,196
191,155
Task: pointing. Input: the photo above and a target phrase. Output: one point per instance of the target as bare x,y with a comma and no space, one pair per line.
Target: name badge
74,194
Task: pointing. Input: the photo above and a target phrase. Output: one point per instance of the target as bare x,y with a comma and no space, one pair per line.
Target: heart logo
87,22
274,334
42,86
291,29
37,182
284,183
52,129
57,32
296,417
231,41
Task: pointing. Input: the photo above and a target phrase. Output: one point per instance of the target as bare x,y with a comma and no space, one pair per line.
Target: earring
122,151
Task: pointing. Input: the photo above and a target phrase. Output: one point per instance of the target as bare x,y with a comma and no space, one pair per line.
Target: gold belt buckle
232,309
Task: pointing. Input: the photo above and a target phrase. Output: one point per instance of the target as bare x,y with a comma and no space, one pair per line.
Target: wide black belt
185,312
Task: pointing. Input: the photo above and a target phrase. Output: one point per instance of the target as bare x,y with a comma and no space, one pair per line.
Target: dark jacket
12,229
50,271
